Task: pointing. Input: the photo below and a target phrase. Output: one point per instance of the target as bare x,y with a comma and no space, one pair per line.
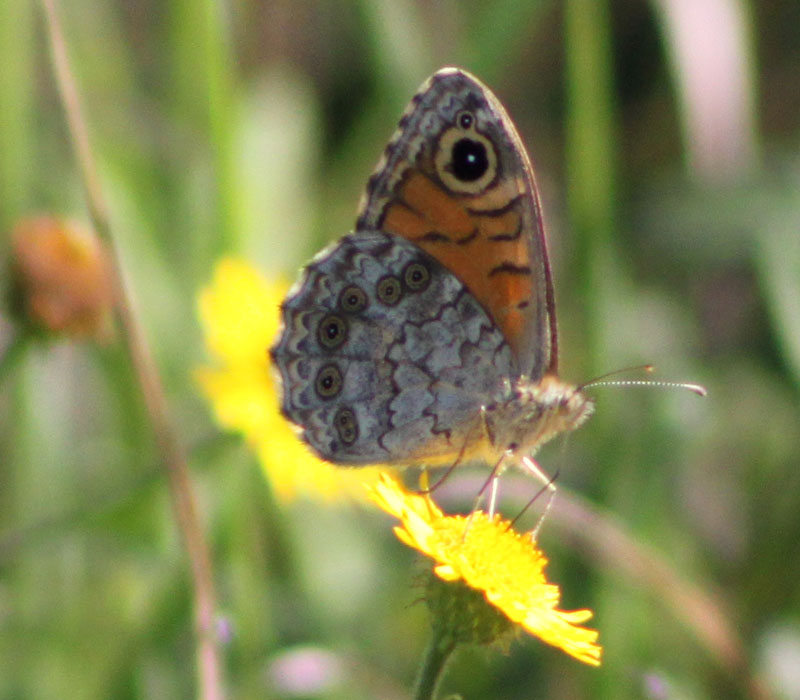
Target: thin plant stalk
437,654
172,453
13,353
591,165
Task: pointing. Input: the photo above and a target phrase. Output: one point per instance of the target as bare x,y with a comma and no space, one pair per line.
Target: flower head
62,278
239,312
488,556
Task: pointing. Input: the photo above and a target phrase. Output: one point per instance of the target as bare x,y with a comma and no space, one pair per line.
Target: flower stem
13,353
437,654
172,452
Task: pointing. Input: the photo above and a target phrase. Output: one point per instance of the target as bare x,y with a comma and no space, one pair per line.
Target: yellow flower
487,555
239,312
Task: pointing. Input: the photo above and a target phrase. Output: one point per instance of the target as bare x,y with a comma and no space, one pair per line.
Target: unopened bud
61,278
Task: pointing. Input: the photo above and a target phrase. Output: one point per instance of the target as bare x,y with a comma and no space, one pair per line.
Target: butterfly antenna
698,389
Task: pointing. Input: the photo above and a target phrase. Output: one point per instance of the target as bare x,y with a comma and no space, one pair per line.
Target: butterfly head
528,414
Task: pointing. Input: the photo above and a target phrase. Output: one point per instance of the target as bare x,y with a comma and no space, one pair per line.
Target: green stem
437,654
591,162
13,354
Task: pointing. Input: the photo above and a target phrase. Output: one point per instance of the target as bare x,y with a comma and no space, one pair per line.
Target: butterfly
428,335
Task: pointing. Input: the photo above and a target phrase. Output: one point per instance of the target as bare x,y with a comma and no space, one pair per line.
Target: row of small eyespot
332,332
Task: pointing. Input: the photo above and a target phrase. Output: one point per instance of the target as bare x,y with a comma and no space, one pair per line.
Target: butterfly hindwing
386,357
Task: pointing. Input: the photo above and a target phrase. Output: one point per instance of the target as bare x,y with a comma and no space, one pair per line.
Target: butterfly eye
329,381
353,299
389,290
332,332
416,276
346,425
465,120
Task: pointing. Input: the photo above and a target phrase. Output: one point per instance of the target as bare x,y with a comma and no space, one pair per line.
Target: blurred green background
666,140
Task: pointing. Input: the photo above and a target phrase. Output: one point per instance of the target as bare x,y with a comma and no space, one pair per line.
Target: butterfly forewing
456,181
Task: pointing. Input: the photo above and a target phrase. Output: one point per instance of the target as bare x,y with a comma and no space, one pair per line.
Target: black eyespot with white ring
466,156
465,119
389,290
332,331
328,382
346,425
416,276
468,160
353,299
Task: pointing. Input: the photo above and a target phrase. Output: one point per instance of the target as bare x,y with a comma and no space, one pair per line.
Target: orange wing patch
433,209
479,239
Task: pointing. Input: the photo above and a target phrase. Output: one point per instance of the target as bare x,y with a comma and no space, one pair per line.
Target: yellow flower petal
490,557
239,312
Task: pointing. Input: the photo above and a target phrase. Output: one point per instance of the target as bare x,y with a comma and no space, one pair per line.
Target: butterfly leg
430,489
490,483
493,496
530,465
494,477
481,425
